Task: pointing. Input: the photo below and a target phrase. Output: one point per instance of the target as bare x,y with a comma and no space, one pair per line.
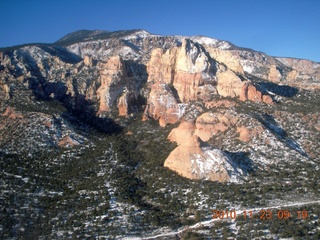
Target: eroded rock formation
195,160
113,79
162,105
209,124
188,68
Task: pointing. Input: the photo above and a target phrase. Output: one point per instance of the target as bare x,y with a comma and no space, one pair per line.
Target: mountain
153,129
89,35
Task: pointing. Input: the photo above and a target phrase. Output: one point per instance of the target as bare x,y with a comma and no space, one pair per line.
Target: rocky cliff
194,81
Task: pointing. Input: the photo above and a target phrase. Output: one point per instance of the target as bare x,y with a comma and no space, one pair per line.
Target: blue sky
288,28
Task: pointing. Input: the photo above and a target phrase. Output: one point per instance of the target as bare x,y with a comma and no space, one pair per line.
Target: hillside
131,134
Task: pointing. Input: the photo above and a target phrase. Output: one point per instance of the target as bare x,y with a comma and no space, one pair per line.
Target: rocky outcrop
220,103
250,92
187,68
67,141
293,72
302,65
227,58
193,75
303,73
230,85
209,124
87,61
195,160
180,74
113,79
274,75
5,91
162,105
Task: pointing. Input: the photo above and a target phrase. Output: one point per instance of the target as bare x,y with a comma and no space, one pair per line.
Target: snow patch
205,40
139,34
215,161
248,66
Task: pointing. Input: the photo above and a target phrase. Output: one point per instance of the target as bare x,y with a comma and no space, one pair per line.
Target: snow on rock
212,42
248,66
138,34
196,160
163,106
215,162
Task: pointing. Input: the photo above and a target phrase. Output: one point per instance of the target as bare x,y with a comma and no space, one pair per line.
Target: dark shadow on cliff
85,111
62,53
280,90
138,76
80,111
137,73
270,124
242,160
37,82
131,45
267,87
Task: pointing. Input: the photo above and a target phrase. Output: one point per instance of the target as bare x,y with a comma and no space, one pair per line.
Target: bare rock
274,74
162,105
87,61
250,92
112,79
186,68
244,134
226,57
228,84
67,141
123,105
192,160
209,124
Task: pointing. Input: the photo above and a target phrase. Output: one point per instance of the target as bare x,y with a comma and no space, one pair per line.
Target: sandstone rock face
292,75
244,134
294,72
303,73
183,134
161,65
87,61
123,104
250,92
255,63
119,87
274,74
193,75
192,159
226,57
67,141
187,68
253,94
229,84
6,92
209,124
113,80
162,105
